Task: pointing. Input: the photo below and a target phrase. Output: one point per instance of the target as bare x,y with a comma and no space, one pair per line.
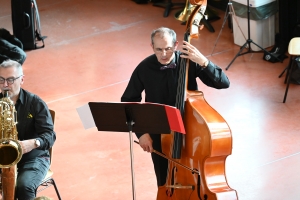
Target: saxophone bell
10,152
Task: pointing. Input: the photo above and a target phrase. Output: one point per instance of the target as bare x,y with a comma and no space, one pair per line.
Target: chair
294,51
48,180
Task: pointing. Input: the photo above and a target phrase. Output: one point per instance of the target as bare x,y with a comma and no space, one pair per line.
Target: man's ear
22,79
152,46
175,45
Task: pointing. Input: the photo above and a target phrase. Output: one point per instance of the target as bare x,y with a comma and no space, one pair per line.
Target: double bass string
180,99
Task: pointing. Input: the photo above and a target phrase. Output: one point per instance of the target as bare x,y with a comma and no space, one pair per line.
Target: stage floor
91,49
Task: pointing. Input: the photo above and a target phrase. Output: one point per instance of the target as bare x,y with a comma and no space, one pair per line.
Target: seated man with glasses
157,76
34,129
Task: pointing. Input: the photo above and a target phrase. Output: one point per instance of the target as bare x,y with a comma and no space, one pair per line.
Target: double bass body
206,145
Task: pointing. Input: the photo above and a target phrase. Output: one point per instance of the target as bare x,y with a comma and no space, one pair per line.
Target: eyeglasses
8,80
167,50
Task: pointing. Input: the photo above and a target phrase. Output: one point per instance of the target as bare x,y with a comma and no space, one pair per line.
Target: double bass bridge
179,186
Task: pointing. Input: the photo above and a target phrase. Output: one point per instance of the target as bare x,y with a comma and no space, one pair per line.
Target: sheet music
86,116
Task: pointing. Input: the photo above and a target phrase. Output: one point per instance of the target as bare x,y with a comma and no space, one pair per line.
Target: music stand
249,41
131,117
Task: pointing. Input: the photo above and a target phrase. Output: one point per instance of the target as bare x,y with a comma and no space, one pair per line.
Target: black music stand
133,117
249,41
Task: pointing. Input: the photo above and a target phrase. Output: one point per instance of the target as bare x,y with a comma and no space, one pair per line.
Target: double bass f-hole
169,193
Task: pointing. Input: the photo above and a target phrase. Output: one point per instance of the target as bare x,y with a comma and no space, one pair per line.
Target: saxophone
10,148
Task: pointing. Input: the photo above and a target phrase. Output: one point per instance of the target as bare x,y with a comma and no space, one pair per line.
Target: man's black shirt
161,85
34,122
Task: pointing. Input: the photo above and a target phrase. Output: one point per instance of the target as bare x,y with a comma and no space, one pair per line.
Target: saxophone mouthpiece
5,93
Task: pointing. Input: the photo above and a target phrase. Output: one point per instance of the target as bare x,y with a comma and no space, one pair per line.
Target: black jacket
11,48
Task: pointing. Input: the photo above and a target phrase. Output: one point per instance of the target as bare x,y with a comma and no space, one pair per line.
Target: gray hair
12,63
162,31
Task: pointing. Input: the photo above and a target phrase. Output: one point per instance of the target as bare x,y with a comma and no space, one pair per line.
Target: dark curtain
220,4
289,17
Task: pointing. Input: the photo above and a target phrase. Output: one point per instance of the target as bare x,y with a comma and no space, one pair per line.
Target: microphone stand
248,42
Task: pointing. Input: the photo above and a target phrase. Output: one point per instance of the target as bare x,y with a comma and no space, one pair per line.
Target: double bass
196,169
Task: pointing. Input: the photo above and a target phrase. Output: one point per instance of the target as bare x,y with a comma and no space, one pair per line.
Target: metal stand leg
229,11
132,166
249,41
286,69
280,75
130,124
288,78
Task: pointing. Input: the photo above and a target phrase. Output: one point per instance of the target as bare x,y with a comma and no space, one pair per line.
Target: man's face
164,48
12,74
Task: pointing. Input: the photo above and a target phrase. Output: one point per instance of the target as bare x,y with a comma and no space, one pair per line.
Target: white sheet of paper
86,116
